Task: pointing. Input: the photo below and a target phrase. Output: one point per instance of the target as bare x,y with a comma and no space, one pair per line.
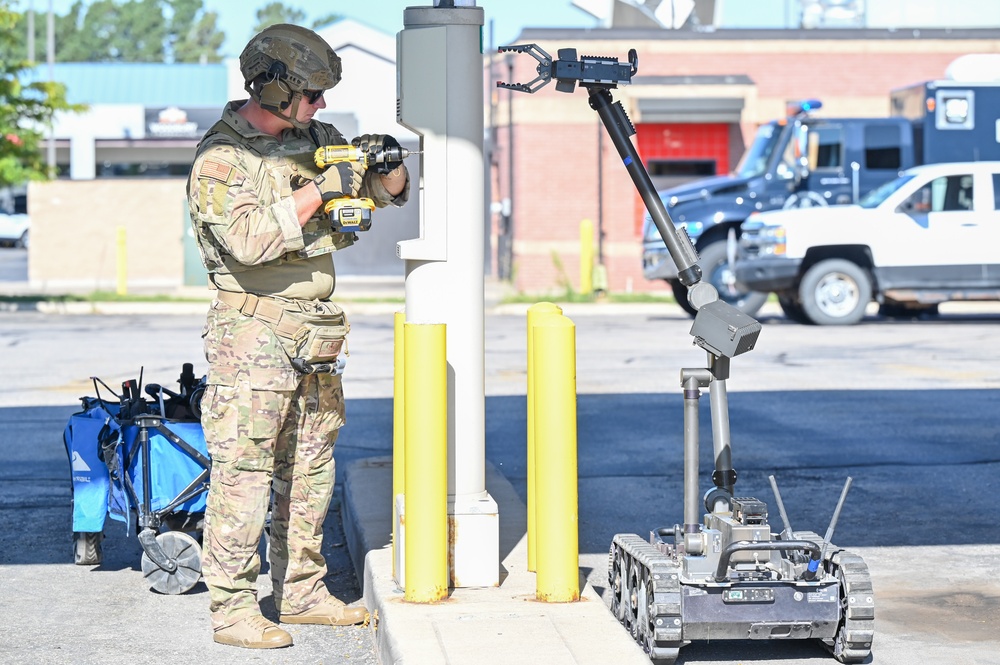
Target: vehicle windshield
755,159
874,198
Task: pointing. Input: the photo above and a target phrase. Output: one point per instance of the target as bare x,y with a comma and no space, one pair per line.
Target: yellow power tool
349,214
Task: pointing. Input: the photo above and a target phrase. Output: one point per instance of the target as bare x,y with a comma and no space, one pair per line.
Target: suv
14,229
929,236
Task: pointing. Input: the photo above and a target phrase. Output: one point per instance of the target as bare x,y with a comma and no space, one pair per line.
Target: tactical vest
282,168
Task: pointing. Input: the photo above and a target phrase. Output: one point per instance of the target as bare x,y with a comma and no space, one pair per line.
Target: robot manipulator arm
719,328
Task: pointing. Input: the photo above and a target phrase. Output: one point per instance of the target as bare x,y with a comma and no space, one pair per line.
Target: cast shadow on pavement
918,458
922,461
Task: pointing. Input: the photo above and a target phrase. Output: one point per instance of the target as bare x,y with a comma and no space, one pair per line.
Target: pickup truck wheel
22,242
715,270
835,292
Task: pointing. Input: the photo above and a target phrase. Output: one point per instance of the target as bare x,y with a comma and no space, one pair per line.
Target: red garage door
678,152
684,147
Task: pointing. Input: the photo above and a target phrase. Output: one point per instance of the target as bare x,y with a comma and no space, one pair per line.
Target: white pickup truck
14,229
929,236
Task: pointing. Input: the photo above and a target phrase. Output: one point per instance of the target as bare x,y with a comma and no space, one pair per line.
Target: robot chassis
726,575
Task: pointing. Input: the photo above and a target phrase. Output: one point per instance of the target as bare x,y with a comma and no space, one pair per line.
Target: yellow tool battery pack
350,215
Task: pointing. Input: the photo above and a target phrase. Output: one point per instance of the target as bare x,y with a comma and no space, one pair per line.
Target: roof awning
690,109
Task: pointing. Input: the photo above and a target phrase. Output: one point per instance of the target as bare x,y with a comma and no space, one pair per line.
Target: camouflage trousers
270,432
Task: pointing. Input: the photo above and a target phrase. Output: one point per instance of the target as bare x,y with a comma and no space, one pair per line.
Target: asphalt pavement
909,409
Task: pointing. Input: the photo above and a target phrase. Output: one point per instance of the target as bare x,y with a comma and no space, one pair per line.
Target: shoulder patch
216,170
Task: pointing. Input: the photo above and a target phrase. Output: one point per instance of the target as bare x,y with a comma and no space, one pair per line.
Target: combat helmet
284,60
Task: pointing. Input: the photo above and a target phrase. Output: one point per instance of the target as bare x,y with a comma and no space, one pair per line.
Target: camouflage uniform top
244,218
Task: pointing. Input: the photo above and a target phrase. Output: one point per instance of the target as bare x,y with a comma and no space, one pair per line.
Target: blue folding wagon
144,463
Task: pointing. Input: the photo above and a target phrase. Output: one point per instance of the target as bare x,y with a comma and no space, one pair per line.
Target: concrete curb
473,626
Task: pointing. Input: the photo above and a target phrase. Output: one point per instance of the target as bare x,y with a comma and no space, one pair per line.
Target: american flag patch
216,170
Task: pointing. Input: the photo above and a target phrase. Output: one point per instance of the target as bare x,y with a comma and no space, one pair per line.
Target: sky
238,17
508,16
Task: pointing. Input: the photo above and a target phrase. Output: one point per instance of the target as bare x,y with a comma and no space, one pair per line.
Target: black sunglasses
313,95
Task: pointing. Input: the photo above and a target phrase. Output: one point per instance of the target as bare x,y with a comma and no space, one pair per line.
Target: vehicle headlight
771,240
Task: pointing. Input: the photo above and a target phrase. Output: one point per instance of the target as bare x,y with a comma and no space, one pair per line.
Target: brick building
696,101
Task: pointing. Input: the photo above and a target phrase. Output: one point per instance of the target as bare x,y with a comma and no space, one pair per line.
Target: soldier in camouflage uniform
255,197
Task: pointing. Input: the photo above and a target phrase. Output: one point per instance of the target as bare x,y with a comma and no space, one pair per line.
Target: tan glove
340,180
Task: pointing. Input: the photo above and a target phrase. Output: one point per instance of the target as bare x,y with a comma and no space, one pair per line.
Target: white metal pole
440,90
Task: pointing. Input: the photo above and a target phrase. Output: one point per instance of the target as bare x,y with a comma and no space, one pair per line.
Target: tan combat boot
254,632
329,612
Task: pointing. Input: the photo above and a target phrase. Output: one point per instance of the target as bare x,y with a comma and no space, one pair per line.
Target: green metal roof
146,83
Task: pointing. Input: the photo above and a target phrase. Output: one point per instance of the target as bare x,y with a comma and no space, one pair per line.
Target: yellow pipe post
586,257
122,263
425,413
557,553
535,313
398,427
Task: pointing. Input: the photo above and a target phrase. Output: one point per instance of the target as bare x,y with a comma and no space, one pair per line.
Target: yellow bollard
122,257
535,313
557,553
425,407
398,428
586,257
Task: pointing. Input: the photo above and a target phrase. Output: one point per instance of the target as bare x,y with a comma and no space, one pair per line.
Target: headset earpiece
277,70
274,95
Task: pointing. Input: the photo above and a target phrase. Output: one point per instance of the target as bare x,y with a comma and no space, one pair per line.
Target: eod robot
724,574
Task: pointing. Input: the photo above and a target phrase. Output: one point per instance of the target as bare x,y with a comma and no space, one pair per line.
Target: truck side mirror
802,170
914,206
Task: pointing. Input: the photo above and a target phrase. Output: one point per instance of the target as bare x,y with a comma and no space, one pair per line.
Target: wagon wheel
182,549
87,548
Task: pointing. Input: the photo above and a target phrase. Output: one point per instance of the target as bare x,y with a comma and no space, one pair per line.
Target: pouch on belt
312,333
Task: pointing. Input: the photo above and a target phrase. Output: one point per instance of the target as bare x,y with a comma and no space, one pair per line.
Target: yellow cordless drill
349,214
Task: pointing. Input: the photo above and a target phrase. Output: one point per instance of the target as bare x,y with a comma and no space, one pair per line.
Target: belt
264,308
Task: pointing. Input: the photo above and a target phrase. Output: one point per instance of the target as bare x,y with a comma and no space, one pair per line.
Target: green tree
130,31
274,13
323,21
139,33
193,33
25,108
277,12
